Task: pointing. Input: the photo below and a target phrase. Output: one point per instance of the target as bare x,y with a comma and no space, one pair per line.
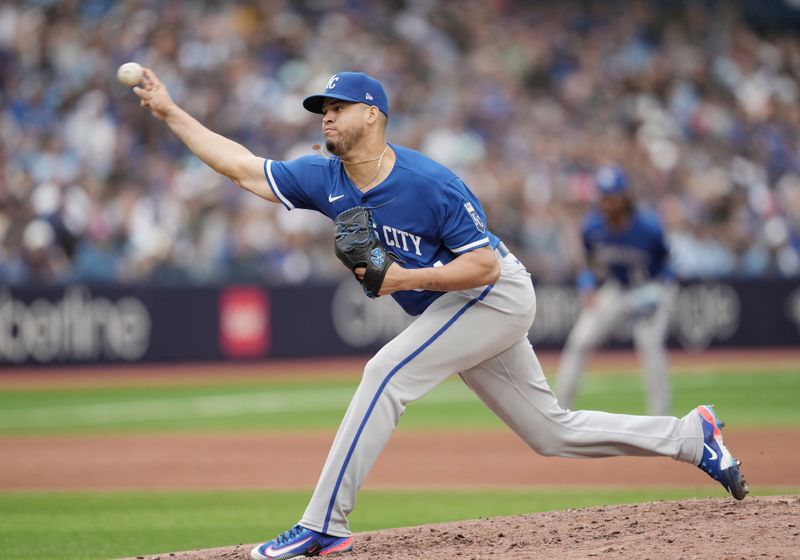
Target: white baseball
130,73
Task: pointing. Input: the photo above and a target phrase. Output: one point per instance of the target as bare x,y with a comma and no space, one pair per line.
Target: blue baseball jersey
632,256
423,212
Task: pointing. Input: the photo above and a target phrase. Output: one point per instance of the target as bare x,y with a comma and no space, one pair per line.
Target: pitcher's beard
331,146
343,146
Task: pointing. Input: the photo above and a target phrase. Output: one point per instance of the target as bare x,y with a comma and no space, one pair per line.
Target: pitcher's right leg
513,385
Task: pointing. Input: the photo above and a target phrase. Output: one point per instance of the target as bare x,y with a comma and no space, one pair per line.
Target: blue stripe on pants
386,380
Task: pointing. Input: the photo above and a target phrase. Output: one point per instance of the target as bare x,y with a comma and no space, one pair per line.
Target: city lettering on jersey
400,239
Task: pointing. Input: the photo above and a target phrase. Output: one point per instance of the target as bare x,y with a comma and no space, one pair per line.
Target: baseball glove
357,245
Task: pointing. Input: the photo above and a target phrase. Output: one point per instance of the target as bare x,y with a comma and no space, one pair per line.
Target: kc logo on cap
355,87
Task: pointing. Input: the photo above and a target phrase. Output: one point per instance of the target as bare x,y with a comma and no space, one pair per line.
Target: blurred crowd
523,100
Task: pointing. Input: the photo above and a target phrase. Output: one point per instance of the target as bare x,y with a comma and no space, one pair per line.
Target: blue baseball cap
350,86
611,180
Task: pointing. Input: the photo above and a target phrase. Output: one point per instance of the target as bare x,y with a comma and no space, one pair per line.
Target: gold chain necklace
324,153
379,159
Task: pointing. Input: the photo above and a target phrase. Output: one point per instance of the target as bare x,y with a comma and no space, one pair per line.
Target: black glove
357,245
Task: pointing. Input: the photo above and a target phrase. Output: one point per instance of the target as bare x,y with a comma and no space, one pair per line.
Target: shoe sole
343,546
736,483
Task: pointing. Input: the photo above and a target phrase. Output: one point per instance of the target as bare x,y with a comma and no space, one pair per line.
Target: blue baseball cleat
717,461
299,541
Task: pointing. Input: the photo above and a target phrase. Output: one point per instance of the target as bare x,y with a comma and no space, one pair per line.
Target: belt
502,250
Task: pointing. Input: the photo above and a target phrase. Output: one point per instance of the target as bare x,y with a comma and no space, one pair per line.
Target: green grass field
114,524
744,399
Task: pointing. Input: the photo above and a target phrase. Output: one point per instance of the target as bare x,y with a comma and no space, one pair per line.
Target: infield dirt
413,459
711,528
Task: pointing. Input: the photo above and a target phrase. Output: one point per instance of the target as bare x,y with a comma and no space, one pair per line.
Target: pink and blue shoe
299,541
717,461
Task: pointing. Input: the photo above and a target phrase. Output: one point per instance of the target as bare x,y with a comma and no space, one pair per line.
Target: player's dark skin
617,210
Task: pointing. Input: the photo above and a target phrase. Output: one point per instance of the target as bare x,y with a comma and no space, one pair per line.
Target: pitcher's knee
374,381
377,368
546,447
554,442
376,372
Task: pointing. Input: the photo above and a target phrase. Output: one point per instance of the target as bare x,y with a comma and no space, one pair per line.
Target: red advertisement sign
244,325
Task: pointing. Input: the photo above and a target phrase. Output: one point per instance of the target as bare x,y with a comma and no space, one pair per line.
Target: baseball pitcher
627,278
410,228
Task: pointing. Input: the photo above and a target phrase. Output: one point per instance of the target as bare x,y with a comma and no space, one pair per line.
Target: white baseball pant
480,334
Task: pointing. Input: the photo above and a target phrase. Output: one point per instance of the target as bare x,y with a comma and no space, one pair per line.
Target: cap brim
314,102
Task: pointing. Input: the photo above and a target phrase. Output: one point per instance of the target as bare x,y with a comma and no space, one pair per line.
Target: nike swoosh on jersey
274,552
334,198
714,455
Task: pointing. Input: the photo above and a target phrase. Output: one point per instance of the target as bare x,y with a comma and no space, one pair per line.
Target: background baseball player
474,301
626,278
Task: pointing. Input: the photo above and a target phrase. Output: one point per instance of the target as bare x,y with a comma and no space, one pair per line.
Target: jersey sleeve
295,182
463,223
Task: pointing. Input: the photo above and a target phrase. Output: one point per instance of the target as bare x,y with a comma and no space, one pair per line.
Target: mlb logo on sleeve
475,218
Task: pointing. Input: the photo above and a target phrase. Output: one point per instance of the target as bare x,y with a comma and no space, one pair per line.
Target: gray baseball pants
480,334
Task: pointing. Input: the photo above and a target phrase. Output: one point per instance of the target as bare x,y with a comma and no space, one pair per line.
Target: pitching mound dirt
710,528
